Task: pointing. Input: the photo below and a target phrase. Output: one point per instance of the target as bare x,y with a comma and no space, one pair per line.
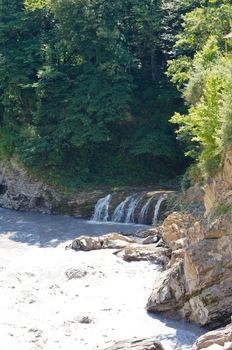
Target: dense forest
88,88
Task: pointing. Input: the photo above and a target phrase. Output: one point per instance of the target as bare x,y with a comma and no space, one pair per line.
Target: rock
108,241
149,232
85,320
75,273
115,241
19,191
151,239
137,344
168,294
144,253
221,337
86,243
197,283
175,226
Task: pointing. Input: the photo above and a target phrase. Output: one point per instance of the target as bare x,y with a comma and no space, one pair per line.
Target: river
43,307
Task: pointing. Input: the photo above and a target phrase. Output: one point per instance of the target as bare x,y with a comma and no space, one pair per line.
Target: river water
43,307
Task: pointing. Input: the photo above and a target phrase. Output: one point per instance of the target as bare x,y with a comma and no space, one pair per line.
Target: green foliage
83,91
222,209
203,74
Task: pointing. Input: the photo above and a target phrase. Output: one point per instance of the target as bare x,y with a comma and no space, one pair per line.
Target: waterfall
144,210
157,209
101,211
131,208
120,210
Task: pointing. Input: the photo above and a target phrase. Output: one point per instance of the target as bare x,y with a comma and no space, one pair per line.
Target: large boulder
168,294
145,253
108,241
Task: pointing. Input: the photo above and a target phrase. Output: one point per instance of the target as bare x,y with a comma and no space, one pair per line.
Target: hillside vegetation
86,88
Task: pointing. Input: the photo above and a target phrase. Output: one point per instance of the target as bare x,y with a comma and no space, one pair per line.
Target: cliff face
197,284
20,191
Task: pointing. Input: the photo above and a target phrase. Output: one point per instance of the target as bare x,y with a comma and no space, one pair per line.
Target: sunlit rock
137,344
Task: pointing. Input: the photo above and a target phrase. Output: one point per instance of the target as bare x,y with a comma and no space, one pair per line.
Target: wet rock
137,344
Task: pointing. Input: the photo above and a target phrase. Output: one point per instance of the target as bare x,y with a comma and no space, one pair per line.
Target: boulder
221,337
168,294
146,253
115,241
86,243
151,239
137,344
108,241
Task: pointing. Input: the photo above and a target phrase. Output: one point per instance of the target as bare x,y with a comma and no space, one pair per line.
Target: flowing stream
52,298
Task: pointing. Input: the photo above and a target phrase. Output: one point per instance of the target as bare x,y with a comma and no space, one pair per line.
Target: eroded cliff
197,284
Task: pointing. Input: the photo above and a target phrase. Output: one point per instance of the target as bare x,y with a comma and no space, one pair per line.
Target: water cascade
131,209
120,211
101,212
157,209
136,208
144,210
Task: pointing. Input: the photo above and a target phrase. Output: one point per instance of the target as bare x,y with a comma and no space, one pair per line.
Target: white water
42,309
157,209
131,208
120,211
125,211
101,212
144,210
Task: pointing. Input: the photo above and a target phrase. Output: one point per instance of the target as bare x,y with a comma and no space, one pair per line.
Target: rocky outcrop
197,284
218,340
218,189
137,344
124,247
19,191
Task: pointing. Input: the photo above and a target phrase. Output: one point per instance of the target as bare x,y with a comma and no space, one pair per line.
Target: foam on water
41,308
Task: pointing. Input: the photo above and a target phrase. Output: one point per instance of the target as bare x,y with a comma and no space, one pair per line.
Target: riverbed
52,298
